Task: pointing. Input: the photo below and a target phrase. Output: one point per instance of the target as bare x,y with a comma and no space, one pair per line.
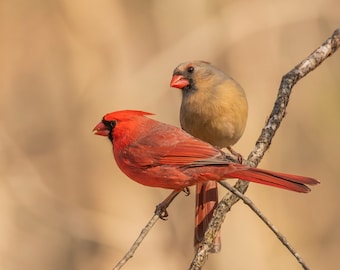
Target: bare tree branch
264,141
266,221
254,158
138,241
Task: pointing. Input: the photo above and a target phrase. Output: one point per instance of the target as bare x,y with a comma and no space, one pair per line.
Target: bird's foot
236,154
161,208
161,212
186,191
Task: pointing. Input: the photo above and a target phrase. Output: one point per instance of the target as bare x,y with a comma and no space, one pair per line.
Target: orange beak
101,130
179,81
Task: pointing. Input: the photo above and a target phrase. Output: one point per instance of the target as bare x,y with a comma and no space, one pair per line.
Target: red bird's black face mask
110,125
105,128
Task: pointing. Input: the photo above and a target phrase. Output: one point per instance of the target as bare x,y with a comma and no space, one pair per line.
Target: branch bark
263,142
266,221
254,158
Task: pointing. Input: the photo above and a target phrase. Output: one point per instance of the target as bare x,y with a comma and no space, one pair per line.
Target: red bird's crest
124,115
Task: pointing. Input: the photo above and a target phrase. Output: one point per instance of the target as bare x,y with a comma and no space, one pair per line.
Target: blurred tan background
64,64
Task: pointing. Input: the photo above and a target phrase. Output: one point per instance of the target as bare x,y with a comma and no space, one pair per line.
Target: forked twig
264,141
254,158
271,226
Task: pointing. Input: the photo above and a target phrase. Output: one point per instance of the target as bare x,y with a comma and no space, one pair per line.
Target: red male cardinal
160,155
214,109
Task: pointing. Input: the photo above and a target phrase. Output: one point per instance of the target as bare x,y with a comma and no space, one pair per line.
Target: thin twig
138,241
262,144
160,213
257,211
264,141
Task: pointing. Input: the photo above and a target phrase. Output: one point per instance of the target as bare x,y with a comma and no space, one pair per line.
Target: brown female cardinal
160,155
214,109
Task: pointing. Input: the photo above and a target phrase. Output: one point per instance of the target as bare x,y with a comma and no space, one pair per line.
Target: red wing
168,145
188,152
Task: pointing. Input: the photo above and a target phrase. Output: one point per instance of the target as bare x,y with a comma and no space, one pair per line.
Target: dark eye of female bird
191,69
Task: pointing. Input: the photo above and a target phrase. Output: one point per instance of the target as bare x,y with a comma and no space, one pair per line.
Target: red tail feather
280,180
206,202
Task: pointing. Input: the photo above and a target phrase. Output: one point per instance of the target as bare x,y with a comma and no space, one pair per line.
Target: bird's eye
113,124
191,69
109,124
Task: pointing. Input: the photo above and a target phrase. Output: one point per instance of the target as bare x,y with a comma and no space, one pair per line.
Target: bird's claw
161,212
239,158
236,154
186,191
161,208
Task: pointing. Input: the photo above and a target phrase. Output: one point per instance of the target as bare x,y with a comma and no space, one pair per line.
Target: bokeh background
64,64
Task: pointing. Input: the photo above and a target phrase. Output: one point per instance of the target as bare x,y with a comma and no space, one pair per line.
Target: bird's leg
236,154
161,208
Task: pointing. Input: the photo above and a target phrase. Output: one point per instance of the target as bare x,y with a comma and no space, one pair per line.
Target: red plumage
160,155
